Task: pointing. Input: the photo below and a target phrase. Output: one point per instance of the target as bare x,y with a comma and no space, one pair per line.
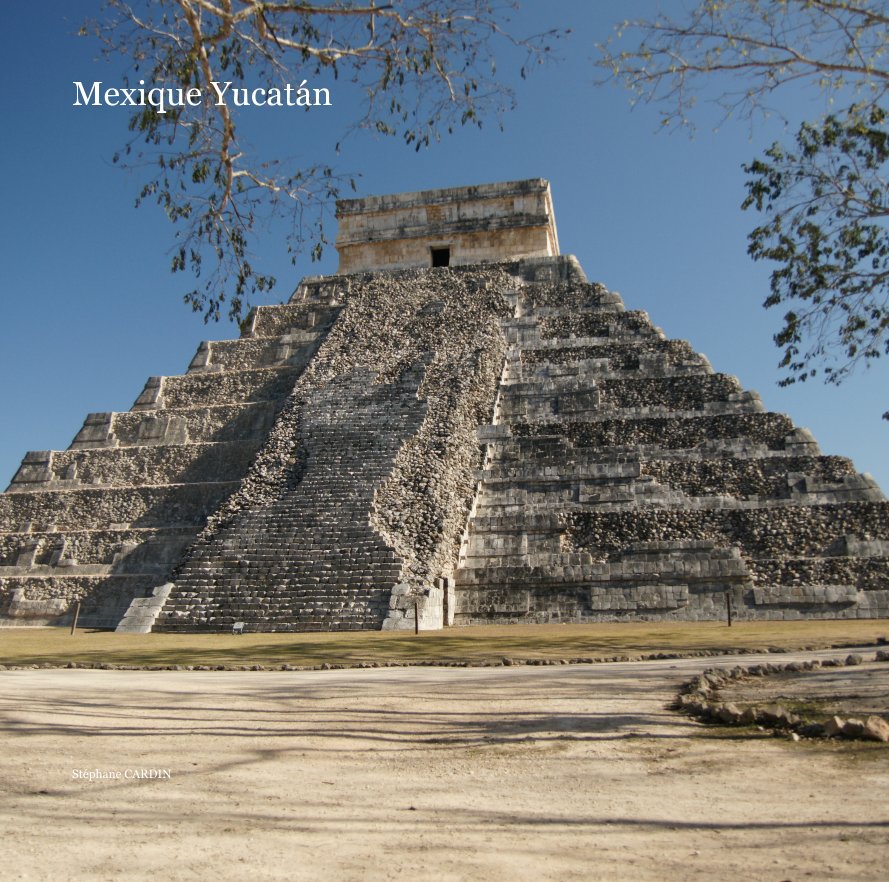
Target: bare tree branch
756,46
429,59
825,198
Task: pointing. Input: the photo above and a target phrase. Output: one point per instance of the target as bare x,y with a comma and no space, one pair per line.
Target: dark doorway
441,256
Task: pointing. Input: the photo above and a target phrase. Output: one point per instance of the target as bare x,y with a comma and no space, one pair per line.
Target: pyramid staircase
309,559
357,499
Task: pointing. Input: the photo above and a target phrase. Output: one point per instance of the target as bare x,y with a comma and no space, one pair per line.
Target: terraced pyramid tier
624,478
105,522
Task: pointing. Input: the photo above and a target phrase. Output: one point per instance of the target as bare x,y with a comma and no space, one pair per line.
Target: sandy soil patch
549,773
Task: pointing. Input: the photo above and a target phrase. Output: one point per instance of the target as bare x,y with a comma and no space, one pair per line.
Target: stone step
531,550
278,620
49,600
294,349
841,578
285,608
815,480
774,477
594,324
217,423
774,532
173,505
578,496
572,296
277,593
674,393
534,337
280,610
645,498
518,522
546,572
549,411
219,388
582,374
279,320
627,355
282,575
675,467
133,466
546,452
126,551
769,429
518,471
570,376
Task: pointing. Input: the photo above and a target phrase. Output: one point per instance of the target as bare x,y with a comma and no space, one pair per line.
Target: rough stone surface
365,481
876,729
481,224
834,727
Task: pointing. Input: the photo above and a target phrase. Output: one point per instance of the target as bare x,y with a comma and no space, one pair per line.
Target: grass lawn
477,645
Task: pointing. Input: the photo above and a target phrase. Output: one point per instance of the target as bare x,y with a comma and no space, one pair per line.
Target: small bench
238,628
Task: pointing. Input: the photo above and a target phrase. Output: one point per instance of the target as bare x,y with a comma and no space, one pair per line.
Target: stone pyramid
457,426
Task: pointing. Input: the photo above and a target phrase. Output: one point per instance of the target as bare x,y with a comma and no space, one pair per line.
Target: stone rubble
700,698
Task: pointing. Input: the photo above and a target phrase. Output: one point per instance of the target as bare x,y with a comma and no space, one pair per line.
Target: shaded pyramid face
499,442
105,521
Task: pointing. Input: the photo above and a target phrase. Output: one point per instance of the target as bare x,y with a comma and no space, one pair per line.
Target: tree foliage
825,197
423,67
827,205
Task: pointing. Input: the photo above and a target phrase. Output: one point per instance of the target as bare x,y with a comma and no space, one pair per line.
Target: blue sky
90,309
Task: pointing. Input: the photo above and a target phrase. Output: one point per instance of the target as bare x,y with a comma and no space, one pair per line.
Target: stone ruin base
491,444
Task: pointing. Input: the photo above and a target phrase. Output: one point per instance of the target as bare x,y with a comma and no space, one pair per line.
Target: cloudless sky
90,309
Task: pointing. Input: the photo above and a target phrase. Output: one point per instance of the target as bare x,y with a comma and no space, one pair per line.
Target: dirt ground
510,773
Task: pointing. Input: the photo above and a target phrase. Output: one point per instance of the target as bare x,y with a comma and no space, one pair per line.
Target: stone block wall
482,224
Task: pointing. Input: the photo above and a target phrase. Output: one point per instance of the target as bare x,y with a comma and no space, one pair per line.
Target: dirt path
543,773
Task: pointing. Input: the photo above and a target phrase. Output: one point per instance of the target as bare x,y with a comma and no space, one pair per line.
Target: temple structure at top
448,227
